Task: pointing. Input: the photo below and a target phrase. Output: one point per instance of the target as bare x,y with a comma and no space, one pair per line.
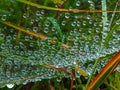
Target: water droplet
31,44
32,21
78,3
118,22
42,11
47,24
35,29
63,23
46,30
67,15
84,23
78,23
10,85
37,13
24,15
4,17
73,23
2,35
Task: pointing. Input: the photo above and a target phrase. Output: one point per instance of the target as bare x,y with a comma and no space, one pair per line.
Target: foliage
42,39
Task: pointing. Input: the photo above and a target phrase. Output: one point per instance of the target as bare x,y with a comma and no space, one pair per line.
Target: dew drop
35,29
118,22
63,23
4,17
47,24
37,13
42,11
78,23
2,35
32,21
24,15
67,15
78,3
10,85
53,29
73,23
46,30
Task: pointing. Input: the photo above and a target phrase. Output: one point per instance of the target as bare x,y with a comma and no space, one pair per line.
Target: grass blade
105,72
42,37
56,25
109,35
23,30
61,9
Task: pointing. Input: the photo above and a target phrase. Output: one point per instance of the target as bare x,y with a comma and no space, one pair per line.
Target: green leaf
56,25
4,12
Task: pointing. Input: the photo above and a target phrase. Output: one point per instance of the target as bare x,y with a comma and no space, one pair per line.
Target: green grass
47,39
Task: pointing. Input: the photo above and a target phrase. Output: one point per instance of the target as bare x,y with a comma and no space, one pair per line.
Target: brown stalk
72,78
42,37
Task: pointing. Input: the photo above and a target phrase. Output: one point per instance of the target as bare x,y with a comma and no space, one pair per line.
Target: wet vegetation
57,44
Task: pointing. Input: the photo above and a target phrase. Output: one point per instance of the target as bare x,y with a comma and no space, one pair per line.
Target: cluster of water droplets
24,56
